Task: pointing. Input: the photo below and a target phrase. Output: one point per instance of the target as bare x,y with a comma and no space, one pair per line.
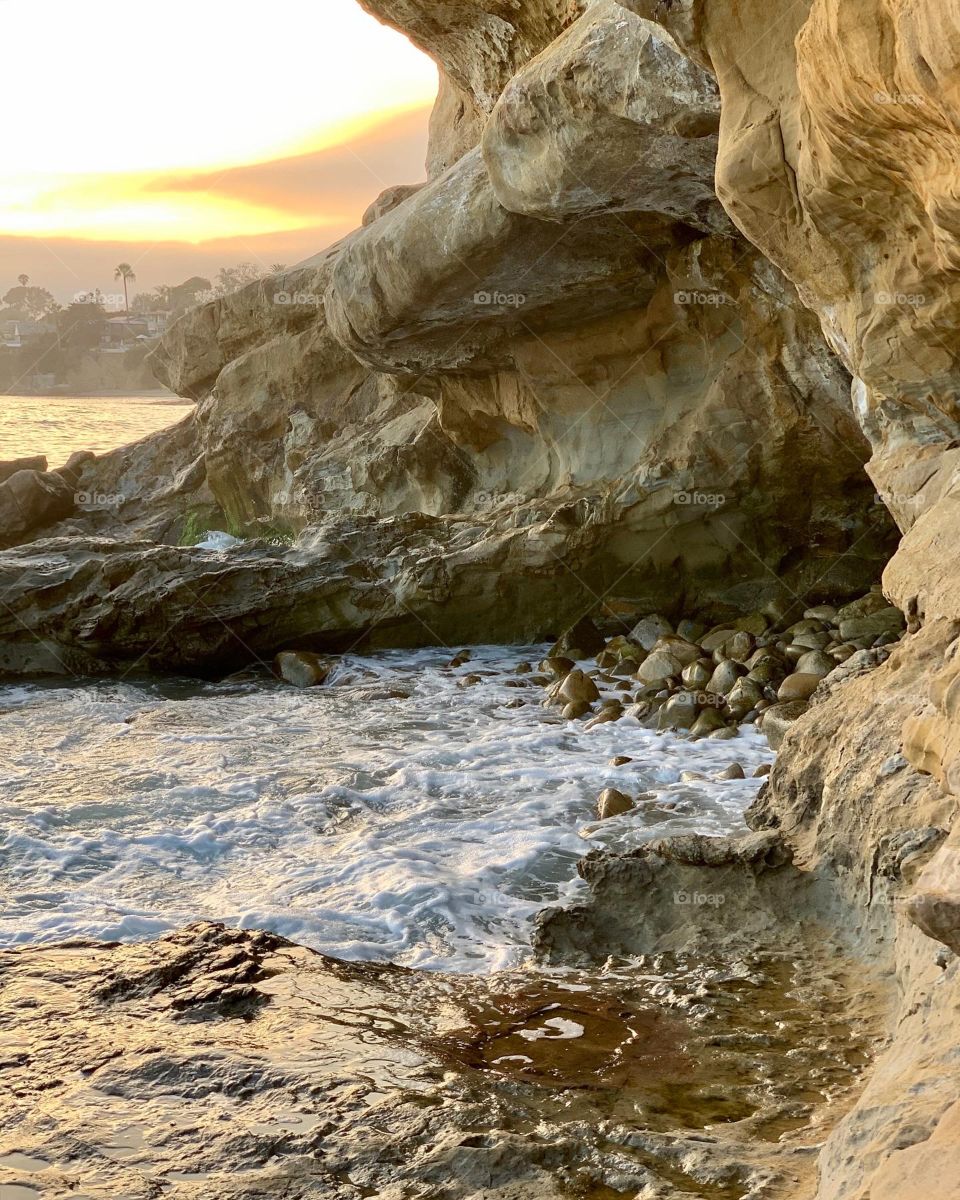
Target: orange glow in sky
118,105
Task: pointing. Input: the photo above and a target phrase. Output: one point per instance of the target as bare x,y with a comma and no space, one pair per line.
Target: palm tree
125,272
23,280
277,268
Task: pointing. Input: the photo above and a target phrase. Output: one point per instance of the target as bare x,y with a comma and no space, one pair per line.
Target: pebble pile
709,682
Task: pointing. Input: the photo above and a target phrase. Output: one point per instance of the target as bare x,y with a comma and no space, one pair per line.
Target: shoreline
158,395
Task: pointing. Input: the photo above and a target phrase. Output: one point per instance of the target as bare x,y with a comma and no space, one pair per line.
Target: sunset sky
212,132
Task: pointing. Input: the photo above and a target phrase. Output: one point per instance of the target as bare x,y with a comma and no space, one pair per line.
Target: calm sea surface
58,425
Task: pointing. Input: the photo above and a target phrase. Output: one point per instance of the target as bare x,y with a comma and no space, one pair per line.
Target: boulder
578,687
30,500
658,667
684,652
302,668
874,625
799,686
36,462
744,697
778,719
709,721
679,712
697,675
815,663
613,803
650,630
724,677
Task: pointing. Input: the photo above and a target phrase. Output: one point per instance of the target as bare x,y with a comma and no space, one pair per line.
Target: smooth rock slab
225,1065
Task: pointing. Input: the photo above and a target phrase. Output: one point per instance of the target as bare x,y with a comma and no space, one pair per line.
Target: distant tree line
41,337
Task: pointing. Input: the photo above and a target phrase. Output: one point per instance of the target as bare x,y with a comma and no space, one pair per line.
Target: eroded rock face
443,281
480,44
611,117
87,605
837,147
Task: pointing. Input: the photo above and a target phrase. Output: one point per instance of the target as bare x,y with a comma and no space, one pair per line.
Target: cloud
337,180
280,211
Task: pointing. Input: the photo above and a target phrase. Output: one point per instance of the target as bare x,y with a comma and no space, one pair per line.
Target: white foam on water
427,830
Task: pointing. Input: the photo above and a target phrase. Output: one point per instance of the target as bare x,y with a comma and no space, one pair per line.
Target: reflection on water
59,425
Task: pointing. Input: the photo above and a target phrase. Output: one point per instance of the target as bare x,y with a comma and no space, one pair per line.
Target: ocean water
392,815
59,425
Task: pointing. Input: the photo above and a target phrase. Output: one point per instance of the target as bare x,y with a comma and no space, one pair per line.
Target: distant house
156,323
16,334
123,332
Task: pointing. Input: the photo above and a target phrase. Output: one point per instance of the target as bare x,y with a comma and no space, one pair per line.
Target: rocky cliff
559,348
604,357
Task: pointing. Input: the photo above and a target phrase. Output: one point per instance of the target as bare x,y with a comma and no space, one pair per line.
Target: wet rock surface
221,1063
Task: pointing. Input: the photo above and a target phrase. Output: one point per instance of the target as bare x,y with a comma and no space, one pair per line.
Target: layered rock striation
561,329
606,355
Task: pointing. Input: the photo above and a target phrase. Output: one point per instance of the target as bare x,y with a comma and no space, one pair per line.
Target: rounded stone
799,686
612,803
557,666
778,719
744,696
767,670
679,712
812,641
647,633
716,638
805,626
684,652
724,677
690,631
577,687
302,668
709,721
658,667
815,662
739,647
697,674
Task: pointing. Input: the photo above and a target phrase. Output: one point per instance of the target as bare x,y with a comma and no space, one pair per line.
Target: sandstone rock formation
552,377
611,117
612,362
